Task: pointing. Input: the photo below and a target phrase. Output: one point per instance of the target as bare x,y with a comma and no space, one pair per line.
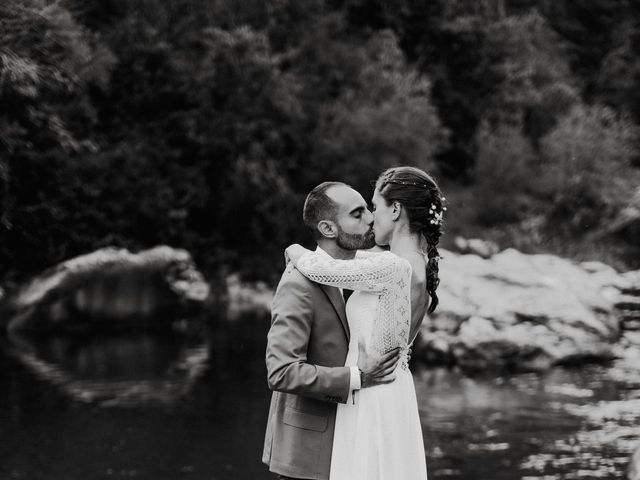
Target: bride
378,436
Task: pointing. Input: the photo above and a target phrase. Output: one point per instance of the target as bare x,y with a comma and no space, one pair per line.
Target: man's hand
377,369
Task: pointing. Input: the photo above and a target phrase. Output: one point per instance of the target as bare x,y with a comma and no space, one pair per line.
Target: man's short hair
318,206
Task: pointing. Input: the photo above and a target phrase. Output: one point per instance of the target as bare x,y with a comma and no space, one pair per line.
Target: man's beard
350,241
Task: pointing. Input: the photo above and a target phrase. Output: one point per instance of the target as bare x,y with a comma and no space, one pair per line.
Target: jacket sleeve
287,341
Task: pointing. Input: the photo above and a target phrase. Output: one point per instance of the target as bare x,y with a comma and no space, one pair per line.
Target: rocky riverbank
529,312
504,310
515,311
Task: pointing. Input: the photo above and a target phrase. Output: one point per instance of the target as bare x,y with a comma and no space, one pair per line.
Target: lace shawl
384,273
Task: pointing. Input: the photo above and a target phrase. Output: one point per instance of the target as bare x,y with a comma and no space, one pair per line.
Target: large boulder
634,466
628,303
476,246
522,312
108,287
243,298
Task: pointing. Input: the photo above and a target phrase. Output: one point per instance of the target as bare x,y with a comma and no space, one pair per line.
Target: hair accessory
413,184
437,218
435,214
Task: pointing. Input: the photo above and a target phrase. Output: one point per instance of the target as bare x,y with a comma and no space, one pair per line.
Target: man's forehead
345,197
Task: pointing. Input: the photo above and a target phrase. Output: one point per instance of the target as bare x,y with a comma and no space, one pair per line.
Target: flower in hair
435,214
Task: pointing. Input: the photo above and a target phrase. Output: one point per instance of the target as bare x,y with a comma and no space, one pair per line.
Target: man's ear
327,228
396,208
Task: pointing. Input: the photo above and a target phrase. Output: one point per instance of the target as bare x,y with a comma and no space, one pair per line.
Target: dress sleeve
392,323
386,274
373,272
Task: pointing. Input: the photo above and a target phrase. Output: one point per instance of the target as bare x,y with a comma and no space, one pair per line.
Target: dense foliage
203,123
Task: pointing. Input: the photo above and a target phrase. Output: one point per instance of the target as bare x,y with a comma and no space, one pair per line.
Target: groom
308,342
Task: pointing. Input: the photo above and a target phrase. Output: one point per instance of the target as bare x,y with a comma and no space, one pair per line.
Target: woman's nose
369,218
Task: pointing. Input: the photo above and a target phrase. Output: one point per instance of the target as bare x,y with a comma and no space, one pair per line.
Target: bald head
339,218
320,205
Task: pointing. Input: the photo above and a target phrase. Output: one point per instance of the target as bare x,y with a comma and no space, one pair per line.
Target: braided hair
421,198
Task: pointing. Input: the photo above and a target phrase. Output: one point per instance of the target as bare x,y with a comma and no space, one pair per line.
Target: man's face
353,220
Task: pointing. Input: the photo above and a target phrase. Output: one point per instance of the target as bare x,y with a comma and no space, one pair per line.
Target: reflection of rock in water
115,370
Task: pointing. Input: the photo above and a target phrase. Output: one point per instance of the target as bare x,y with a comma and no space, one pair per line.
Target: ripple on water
569,423
569,390
608,433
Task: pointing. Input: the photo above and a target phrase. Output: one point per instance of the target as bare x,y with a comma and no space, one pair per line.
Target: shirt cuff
354,383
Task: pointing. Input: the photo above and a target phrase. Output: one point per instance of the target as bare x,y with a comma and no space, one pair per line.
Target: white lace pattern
385,273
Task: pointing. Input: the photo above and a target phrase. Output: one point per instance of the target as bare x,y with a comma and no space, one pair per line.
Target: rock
632,280
626,223
628,302
630,322
476,246
244,298
106,288
632,277
436,350
634,466
598,267
632,338
524,312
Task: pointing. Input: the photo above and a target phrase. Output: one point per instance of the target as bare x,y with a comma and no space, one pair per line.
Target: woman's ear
327,228
396,208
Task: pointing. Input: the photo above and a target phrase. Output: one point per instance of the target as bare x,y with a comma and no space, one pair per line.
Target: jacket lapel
333,294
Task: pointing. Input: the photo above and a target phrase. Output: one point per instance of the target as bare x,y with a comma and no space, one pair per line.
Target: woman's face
382,218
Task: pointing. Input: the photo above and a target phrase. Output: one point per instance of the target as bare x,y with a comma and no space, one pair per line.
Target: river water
192,404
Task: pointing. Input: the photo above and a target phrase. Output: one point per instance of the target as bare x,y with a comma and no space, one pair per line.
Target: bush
505,166
587,170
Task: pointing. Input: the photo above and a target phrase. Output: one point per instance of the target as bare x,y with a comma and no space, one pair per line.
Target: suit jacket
307,346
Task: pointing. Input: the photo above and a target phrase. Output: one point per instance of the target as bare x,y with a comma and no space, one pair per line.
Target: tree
587,166
618,80
48,62
535,83
505,164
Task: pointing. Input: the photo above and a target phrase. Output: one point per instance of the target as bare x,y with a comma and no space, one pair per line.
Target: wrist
362,378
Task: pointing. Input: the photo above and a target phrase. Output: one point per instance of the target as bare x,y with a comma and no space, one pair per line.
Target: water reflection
180,406
567,423
115,369
193,405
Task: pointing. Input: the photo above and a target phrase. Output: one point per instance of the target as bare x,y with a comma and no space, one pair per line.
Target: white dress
377,436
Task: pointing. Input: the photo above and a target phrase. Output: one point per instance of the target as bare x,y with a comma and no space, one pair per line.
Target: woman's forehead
377,196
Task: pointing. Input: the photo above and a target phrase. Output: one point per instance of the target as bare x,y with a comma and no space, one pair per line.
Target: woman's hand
293,253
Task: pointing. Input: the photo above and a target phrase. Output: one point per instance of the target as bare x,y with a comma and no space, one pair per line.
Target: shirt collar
322,252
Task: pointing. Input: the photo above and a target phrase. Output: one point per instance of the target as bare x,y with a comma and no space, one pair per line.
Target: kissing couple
344,404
